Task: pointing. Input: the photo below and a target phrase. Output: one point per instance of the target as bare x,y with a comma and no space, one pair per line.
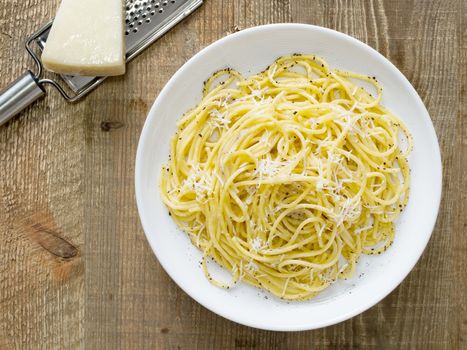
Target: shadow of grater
145,22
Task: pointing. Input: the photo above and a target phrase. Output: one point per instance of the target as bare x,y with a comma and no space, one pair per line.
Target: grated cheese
321,183
219,119
251,266
257,244
347,212
199,181
268,167
257,93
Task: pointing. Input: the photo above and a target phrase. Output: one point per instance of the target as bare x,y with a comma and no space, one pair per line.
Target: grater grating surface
145,22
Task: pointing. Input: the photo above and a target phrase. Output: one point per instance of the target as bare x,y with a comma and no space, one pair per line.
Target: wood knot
54,244
41,228
106,126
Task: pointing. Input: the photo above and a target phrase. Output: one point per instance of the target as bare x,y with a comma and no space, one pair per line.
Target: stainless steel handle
20,94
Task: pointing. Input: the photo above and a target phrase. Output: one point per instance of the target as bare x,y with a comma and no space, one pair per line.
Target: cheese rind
87,38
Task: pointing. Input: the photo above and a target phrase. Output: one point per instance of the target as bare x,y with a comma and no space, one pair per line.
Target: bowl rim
435,195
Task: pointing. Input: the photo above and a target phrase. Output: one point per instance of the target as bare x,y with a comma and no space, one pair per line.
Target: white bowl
250,51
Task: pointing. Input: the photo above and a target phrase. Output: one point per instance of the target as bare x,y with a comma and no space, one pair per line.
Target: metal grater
146,21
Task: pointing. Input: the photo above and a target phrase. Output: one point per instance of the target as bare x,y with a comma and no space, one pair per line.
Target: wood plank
459,176
41,262
425,50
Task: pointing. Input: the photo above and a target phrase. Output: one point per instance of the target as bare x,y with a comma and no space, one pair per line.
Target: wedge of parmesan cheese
87,38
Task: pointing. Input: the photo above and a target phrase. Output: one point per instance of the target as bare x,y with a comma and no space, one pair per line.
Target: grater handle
20,94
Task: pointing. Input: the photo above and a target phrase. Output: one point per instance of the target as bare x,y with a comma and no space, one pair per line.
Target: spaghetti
286,177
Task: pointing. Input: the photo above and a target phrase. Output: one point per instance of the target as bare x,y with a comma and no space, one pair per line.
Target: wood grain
75,268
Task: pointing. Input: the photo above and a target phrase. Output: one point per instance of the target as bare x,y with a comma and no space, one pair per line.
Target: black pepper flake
200,135
170,214
322,65
295,112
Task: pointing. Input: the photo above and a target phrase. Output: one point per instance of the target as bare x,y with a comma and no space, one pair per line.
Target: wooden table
75,268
